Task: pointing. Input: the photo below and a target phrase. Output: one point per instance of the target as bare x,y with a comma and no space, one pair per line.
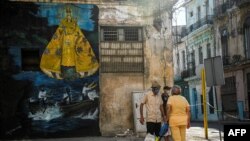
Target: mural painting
50,69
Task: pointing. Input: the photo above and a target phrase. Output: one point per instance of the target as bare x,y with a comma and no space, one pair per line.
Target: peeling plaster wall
155,56
116,113
123,15
116,102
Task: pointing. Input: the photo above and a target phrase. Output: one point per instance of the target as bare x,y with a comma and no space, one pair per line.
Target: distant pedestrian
165,96
154,107
178,114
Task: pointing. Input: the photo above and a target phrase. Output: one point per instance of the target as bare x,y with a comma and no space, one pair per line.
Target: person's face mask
155,90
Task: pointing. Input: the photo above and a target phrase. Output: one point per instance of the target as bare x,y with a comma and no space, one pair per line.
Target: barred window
110,34
123,51
121,33
131,34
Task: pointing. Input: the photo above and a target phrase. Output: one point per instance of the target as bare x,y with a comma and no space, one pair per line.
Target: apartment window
178,60
214,50
200,55
224,45
121,50
198,12
193,56
224,42
209,51
191,63
121,34
191,14
247,37
184,60
207,7
30,59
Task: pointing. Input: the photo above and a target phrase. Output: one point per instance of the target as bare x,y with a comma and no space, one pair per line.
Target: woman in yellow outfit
68,55
178,114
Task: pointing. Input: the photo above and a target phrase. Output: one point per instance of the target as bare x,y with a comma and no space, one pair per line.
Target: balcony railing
188,73
240,3
206,20
222,8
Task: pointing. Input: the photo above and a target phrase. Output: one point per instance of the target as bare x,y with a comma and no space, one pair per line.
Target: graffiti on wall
54,48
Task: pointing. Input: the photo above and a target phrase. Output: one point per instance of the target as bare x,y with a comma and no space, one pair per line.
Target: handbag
164,129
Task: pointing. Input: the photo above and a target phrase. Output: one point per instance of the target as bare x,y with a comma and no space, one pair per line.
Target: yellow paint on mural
69,48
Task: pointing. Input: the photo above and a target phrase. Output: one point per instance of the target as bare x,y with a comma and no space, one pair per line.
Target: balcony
184,74
221,9
188,73
226,60
241,3
206,20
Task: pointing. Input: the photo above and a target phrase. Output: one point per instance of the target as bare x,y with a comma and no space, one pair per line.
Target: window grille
123,52
110,34
131,34
121,34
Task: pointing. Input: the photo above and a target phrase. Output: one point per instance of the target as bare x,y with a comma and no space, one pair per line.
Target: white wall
193,5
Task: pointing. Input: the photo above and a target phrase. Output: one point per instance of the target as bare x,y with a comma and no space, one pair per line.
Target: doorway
248,92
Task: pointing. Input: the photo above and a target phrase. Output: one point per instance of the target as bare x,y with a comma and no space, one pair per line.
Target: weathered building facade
134,48
232,41
140,54
199,45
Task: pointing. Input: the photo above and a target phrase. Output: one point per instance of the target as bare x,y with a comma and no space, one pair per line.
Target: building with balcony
232,32
199,45
180,59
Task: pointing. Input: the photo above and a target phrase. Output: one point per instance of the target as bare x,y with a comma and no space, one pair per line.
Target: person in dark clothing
165,96
155,114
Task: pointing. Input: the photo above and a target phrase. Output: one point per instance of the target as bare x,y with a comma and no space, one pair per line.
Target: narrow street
194,133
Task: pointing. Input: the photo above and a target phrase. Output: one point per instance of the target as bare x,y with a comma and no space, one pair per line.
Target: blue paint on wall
55,12
15,53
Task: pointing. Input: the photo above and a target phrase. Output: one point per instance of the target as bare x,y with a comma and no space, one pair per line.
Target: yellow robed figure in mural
69,54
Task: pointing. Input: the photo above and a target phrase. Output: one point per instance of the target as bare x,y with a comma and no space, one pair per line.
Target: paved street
195,133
